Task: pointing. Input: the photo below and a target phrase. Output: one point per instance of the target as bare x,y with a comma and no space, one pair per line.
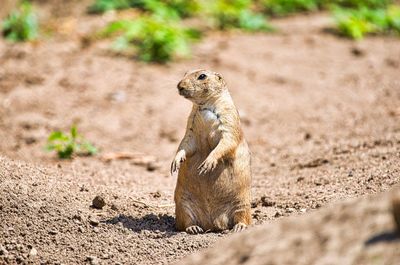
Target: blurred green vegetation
285,7
101,6
168,9
228,14
21,24
155,34
355,23
151,38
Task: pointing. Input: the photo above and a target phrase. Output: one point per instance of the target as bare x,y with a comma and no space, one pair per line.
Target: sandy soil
321,115
359,231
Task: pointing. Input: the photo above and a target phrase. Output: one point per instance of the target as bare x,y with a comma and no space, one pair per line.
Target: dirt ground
321,115
358,231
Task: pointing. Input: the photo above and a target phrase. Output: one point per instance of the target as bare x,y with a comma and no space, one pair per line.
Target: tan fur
213,159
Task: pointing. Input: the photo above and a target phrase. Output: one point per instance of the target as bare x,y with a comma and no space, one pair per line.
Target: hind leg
186,221
241,219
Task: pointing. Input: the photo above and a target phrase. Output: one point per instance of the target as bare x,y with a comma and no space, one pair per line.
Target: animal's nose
180,87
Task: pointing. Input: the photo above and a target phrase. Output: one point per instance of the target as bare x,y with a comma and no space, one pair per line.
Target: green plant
101,6
393,17
185,8
355,3
355,23
167,9
66,145
285,7
21,24
152,38
229,14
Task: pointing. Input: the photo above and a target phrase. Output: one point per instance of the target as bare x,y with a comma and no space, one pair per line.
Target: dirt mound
360,231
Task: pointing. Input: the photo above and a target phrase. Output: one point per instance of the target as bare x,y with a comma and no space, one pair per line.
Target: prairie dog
214,180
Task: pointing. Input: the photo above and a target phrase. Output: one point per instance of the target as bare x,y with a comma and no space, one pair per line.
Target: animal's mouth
185,93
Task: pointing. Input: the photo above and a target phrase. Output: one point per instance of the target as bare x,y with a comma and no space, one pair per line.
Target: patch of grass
152,38
228,14
355,3
66,145
185,8
21,24
356,23
168,9
285,7
101,6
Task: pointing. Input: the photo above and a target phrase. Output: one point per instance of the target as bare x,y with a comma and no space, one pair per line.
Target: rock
278,214
77,218
356,51
98,202
151,166
156,194
33,252
53,232
3,251
266,201
94,221
290,210
114,207
93,260
117,96
300,179
83,188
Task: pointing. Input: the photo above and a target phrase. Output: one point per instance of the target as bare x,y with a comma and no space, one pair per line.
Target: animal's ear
220,79
218,75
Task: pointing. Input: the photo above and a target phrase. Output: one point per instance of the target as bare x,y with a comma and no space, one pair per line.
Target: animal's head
200,86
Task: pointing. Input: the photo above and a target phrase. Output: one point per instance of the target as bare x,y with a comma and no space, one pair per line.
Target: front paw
208,165
178,160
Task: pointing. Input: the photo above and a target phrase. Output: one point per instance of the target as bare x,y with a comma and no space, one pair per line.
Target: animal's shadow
151,225
387,236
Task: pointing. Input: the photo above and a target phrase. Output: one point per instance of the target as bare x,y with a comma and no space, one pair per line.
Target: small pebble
53,232
151,166
114,207
290,210
33,252
3,251
92,260
98,202
94,221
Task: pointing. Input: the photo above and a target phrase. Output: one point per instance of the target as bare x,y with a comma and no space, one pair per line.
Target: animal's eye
202,77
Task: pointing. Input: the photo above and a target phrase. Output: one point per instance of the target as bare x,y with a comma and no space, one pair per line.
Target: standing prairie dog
213,187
